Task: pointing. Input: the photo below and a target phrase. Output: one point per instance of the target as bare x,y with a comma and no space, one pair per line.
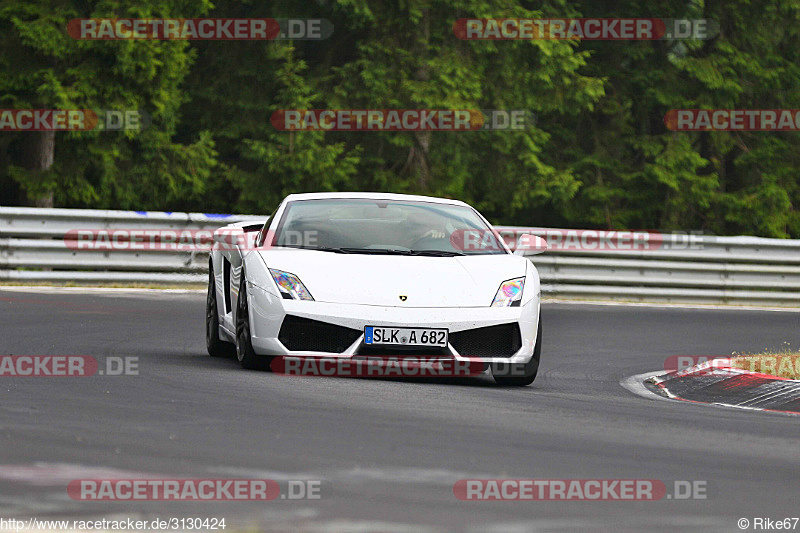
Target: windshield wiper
318,249
436,253
375,251
380,251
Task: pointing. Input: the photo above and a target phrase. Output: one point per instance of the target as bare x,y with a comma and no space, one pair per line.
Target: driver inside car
428,231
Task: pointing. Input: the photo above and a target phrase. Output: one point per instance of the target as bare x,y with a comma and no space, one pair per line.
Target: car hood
461,281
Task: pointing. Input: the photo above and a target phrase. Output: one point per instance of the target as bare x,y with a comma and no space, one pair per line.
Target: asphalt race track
388,450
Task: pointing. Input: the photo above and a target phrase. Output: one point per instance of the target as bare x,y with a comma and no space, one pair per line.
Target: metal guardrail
749,270
33,246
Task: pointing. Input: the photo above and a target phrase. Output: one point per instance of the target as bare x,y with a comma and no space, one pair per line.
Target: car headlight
290,286
509,294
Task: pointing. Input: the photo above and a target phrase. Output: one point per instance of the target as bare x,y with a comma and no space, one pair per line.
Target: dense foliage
599,156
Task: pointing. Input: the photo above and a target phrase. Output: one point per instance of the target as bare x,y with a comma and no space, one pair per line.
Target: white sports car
371,274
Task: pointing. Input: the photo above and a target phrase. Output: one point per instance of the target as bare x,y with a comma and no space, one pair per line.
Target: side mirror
528,244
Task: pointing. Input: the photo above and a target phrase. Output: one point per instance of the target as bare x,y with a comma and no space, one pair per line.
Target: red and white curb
717,382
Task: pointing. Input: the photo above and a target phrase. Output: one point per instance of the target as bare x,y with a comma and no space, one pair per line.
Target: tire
527,370
215,346
244,344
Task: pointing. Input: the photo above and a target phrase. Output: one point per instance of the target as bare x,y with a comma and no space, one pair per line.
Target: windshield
382,227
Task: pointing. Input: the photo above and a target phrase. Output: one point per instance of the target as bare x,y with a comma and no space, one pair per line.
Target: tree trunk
419,157
39,159
419,153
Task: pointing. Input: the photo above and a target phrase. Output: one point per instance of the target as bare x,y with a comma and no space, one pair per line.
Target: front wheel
520,374
244,343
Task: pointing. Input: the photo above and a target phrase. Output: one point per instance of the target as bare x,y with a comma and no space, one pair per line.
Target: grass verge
784,363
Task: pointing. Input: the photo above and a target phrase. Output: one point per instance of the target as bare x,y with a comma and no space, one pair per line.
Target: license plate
405,336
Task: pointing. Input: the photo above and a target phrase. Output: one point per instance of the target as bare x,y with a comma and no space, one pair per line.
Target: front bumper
267,312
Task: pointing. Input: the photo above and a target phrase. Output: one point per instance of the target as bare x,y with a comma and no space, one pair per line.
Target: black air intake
503,340
305,335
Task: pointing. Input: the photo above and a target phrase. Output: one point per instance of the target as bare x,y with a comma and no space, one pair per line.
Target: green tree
42,67
636,173
407,56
